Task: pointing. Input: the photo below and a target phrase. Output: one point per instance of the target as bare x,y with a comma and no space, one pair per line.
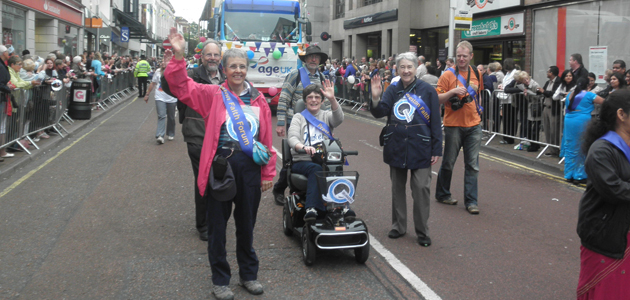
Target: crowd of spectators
33,73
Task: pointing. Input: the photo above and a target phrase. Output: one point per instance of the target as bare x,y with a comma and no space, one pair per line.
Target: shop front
42,26
430,43
498,38
367,36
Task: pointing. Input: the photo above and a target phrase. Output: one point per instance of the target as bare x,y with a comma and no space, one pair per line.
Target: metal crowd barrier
522,117
41,108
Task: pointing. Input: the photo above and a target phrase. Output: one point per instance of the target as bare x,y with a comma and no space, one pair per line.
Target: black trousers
282,182
142,86
247,175
201,203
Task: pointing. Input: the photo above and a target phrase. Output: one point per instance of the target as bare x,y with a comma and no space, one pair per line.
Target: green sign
483,28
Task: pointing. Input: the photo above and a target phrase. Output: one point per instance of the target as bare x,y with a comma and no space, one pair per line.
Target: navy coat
410,145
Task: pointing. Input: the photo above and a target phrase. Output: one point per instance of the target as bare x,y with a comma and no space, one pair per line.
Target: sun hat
314,49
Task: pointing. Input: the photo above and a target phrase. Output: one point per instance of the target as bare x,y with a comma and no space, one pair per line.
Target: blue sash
420,107
306,81
323,127
614,138
576,101
471,91
239,122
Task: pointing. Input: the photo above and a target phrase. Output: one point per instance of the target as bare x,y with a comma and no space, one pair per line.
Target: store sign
56,9
124,34
480,6
508,24
378,18
597,59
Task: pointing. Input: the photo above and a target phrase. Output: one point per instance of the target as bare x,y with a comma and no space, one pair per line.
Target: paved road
109,215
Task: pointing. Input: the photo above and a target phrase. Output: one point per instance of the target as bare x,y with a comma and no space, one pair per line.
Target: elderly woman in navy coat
412,141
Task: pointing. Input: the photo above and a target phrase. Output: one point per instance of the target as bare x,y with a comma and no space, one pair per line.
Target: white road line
414,280
396,264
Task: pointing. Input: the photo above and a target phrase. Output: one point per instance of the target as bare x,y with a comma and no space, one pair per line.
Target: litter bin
80,95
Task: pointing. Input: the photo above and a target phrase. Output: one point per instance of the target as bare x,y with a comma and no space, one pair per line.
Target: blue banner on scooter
346,193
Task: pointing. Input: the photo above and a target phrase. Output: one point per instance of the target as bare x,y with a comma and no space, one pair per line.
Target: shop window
14,28
369,2
67,39
340,9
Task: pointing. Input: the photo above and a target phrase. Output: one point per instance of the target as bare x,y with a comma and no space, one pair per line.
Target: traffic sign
166,44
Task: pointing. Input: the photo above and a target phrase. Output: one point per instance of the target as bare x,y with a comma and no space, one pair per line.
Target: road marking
397,265
370,145
405,272
32,172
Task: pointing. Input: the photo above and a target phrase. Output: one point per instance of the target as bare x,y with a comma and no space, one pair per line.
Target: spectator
449,63
5,103
577,68
28,72
509,109
351,70
579,105
567,84
461,128
430,77
61,71
552,111
440,64
628,77
617,82
593,87
251,175
619,66
529,107
604,208
422,69
15,65
488,82
381,68
495,69
412,144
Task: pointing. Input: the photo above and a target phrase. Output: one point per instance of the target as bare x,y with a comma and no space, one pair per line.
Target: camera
457,103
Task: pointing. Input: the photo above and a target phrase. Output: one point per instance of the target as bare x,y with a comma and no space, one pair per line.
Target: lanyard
471,91
239,122
323,127
306,81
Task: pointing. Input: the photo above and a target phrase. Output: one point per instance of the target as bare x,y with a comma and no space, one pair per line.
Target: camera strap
471,91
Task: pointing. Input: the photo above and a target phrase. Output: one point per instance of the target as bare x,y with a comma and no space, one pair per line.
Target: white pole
451,27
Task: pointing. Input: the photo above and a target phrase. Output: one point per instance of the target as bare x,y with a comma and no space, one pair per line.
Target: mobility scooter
330,231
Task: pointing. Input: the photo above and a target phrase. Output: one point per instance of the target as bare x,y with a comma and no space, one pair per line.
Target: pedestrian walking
165,106
459,89
292,88
412,143
193,126
237,159
605,205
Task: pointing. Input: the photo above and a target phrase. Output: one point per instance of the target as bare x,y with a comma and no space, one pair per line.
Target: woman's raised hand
177,42
377,88
329,89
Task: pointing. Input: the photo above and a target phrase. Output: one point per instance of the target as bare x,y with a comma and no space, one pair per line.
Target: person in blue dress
579,105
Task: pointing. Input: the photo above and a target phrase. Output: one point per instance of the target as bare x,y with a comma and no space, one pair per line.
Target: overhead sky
189,9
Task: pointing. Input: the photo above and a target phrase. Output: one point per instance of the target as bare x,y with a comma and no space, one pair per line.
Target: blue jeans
454,139
164,111
308,169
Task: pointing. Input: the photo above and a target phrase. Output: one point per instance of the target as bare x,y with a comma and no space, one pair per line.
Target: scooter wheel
362,254
308,247
287,223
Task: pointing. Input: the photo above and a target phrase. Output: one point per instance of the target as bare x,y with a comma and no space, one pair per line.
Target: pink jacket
206,99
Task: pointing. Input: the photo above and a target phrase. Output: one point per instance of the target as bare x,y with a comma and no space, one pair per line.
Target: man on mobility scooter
315,161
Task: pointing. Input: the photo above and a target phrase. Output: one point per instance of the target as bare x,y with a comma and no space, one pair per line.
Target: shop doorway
486,52
372,42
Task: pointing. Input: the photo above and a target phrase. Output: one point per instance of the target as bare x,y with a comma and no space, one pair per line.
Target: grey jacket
298,125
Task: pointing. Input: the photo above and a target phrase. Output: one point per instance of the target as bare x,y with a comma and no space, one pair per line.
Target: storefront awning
137,30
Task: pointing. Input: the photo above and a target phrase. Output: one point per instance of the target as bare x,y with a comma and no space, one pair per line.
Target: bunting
257,45
273,46
267,51
229,45
295,49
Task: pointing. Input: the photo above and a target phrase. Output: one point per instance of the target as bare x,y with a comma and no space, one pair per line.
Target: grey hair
208,42
410,56
421,59
3,49
233,53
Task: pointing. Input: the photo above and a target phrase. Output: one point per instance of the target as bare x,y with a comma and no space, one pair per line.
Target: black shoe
278,197
203,235
349,214
424,241
578,182
394,234
311,215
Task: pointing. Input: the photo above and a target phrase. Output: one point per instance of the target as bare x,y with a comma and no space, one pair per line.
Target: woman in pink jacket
238,130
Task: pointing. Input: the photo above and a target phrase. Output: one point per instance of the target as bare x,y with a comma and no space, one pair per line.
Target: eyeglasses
210,55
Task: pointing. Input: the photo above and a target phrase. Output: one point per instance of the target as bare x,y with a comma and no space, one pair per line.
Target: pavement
46,146
493,147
